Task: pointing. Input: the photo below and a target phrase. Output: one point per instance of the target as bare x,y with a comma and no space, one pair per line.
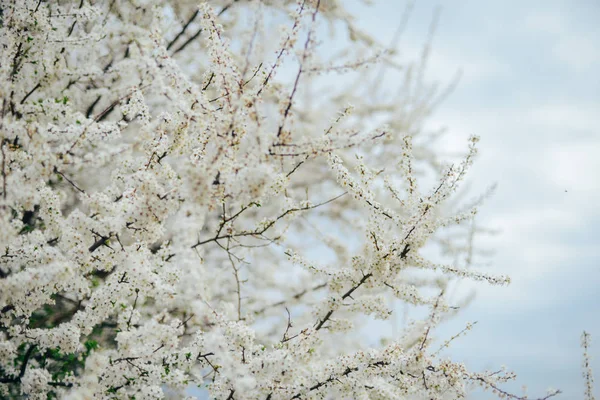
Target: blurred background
530,88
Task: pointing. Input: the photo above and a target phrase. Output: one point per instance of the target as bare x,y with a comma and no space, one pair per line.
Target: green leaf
91,345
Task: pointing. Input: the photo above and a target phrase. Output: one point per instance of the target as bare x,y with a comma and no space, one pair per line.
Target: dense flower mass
182,208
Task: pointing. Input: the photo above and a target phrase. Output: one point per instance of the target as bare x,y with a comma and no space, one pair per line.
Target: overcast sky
531,89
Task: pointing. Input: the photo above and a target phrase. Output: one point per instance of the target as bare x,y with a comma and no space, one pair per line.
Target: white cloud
576,167
578,52
545,22
572,46
567,117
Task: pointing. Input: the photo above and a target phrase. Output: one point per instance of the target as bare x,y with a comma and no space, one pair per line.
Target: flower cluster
166,184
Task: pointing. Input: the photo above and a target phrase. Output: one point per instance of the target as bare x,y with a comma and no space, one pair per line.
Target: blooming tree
171,174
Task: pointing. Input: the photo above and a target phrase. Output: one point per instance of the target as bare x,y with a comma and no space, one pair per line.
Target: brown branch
296,167
182,31
237,282
7,308
346,372
259,232
68,180
100,242
212,75
195,35
227,7
287,328
137,294
187,42
344,297
242,86
327,316
512,396
90,109
300,70
103,115
16,60
297,296
283,48
36,87
26,358
315,152
3,170
431,318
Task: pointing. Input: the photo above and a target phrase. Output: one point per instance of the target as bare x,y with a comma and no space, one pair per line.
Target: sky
530,88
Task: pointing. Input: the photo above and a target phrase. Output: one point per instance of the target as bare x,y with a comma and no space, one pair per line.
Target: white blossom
165,186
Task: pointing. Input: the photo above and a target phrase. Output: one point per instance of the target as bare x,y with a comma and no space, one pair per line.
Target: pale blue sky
531,89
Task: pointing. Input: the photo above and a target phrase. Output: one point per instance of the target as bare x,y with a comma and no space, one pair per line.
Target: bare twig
182,31
68,180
